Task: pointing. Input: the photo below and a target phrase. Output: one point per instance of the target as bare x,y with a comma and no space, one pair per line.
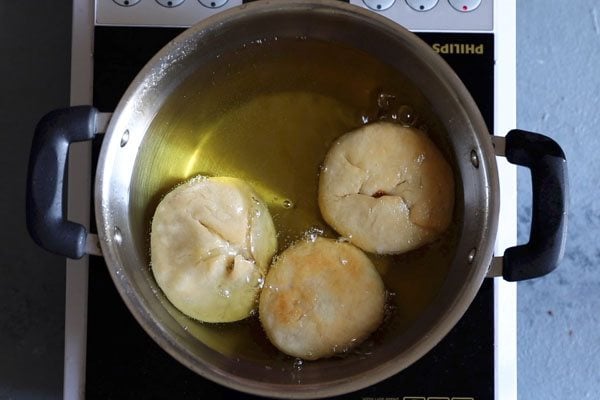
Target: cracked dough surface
211,243
320,298
387,188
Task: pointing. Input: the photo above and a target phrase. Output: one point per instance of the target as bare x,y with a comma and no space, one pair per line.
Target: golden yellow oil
267,113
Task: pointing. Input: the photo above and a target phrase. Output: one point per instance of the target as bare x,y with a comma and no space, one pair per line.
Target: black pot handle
47,179
549,181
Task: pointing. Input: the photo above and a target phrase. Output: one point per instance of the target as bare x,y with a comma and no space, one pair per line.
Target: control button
213,3
422,5
169,3
127,3
464,5
379,5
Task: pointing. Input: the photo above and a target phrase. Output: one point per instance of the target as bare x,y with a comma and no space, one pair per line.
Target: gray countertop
558,60
558,94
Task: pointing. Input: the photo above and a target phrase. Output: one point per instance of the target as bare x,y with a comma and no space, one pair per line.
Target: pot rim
170,55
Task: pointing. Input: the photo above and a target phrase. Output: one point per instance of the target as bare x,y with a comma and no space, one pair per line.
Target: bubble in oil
298,364
390,307
275,259
365,350
196,179
340,349
287,203
260,282
386,106
313,233
296,370
385,101
407,115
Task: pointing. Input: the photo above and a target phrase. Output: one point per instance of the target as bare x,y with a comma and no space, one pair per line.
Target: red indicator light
465,8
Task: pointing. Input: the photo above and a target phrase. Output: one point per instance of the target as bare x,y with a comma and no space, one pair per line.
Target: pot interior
264,103
268,113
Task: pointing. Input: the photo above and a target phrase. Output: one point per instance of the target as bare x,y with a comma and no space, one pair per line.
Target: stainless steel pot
123,242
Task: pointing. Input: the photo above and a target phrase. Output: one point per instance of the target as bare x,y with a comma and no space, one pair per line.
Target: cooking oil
268,113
